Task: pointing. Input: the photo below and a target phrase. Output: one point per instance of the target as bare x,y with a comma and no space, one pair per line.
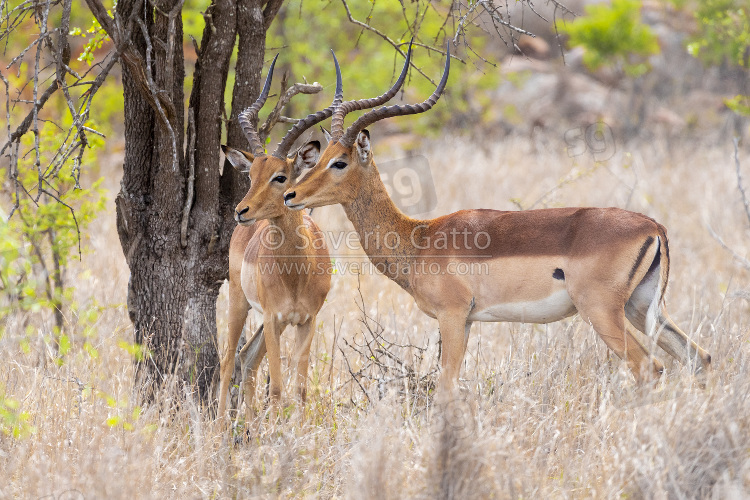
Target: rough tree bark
174,207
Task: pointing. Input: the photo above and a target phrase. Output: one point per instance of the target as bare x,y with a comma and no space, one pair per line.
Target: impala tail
656,322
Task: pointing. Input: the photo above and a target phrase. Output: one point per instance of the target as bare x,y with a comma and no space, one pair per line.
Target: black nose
289,196
244,210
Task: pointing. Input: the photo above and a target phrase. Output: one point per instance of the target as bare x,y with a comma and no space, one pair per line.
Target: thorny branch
386,363
51,61
746,203
385,37
463,14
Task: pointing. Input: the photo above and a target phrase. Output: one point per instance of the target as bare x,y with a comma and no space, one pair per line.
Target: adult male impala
541,265
278,260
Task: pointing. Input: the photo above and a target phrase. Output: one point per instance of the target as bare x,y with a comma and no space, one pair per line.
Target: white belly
552,308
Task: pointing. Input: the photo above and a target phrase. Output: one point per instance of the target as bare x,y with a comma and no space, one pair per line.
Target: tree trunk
178,263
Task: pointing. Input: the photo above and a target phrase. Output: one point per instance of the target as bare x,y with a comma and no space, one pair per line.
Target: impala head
269,178
343,168
271,175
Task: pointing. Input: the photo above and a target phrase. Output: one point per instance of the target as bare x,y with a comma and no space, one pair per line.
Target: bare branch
386,362
26,123
270,11
156,96
385,37
190,153
743,261
286,119
745,201
173,15
101,16
284,99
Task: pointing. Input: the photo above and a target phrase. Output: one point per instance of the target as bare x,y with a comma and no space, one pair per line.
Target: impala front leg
305,334
272,330
238,309
454,334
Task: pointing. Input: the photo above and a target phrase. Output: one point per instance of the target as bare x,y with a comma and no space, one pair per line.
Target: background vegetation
546,412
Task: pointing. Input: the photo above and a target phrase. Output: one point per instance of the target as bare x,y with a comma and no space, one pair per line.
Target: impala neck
385,233
288,236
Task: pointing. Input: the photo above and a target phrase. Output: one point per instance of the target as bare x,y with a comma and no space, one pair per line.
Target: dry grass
547,411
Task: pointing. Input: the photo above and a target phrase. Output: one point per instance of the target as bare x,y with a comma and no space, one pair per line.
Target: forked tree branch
385,37
462,13
284,99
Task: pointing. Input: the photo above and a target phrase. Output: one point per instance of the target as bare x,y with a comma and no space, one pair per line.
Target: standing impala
535,266
278,260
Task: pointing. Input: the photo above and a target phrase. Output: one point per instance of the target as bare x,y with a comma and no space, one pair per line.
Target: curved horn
388,111
337,122
286,143
249,118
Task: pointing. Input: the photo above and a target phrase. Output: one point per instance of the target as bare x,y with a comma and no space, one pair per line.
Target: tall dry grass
545,411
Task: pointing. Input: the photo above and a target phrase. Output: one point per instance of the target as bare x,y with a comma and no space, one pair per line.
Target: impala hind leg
238,309
250,358
302,346
673,340
645,312
609,324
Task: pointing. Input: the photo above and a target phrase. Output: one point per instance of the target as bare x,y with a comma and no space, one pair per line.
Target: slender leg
272,331
250,358
303,343
666,333
609,323
678,344
453,333
238,308
467,331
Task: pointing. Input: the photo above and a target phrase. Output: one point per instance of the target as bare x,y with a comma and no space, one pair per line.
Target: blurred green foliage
724,37
305,31
614,35
13,421
47,231
38,243
724,32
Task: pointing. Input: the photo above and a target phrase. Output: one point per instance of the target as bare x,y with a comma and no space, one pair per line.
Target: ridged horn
375,115
249,118
337,122
312,119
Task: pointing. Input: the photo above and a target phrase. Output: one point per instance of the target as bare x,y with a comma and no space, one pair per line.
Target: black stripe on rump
639,259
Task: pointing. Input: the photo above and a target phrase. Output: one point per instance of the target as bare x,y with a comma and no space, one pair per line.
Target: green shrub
614,35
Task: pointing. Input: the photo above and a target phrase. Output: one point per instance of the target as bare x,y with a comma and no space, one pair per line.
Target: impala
540,266
278,260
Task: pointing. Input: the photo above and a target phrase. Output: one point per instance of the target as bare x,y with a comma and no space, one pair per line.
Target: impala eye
280,179
339,165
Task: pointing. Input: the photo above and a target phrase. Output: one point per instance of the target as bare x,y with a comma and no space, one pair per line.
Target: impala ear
241,160
326,133
306,157
363,147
